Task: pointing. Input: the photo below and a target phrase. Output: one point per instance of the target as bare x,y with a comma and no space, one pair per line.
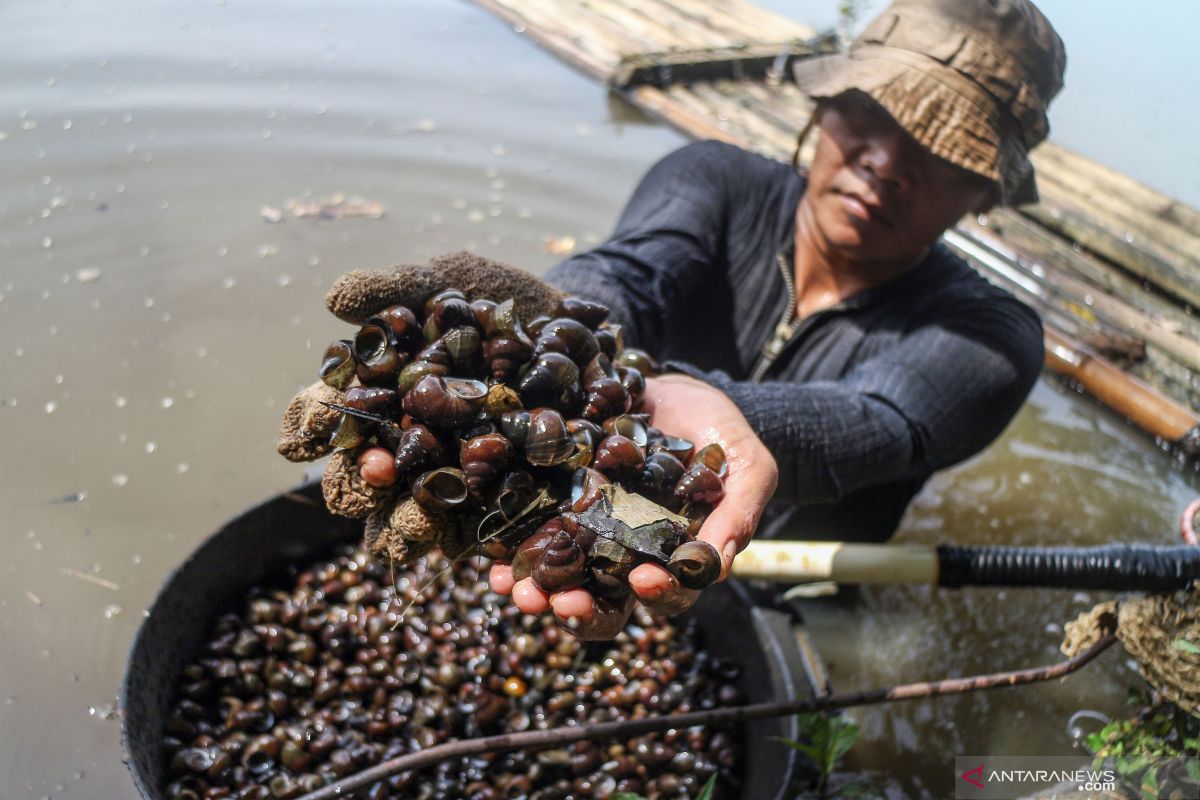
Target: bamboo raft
1112,266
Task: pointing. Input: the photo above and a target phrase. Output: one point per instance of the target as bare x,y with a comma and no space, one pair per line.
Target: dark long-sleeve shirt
864,400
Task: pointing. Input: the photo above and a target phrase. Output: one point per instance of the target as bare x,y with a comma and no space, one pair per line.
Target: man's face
874,193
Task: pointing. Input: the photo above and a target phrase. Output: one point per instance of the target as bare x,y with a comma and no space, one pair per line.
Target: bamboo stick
844,562
659,104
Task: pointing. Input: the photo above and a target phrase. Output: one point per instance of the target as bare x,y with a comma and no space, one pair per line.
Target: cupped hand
691,409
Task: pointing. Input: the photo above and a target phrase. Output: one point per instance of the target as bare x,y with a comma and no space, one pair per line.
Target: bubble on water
314,261
87,275
265,133
58,379
112,610
47,242
222,250
127,118
151,447
3,135
229,282
458,203
267,250
283,280
66,124
120,479
104,711
182,467
524,213
51,407
201,351
144,250
475,215
167,402
120,401
148,302
135,559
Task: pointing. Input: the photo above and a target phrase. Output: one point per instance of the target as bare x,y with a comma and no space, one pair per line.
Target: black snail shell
529,437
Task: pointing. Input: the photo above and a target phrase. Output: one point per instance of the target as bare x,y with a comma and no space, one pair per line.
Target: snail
445,402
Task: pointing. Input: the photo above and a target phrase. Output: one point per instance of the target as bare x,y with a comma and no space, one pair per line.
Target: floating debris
337,206
33,598
271,213
74,497
558,245
88,275
96,579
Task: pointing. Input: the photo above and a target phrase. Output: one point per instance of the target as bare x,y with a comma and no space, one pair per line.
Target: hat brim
949,116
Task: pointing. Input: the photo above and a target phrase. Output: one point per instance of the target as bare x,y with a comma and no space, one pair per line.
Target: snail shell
610,340
338,365
445,402
585,488
530,550
589,313
414,372
484,459
378,361
619,457
516,491
560,565
662,472
541,433
699,484
569,337
634,382
419,448
465,348
640,360
713,457
553,380
440,489
506,324
402,324
372,399
500,400
680,448
629,426
696,564
506,357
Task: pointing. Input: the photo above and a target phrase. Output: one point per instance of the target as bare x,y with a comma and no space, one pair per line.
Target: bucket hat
969,79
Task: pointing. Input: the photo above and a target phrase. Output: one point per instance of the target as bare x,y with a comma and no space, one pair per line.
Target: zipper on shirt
784,331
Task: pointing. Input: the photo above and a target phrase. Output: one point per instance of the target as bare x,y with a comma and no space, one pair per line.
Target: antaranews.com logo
1011,777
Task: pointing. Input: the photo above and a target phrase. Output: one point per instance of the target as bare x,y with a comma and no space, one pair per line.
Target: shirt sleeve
940,394
665,245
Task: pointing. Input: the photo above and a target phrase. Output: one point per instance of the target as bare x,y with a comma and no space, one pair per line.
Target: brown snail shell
402,324
414,372
680,448
585,432
338,365
506,357
441,489
639,359
419,448
589,313
535,325
516,491
696,564
629,426
619,457
634,382
610,339
484,459
483,311
348,433
541,433
569,337
713,457
372,399
560,565
445,402
506,324
451,309
530,550
378,361
553,380
699,484
662,472
465,348
585,488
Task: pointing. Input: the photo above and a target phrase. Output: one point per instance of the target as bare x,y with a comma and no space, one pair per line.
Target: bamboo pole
844,562
556,737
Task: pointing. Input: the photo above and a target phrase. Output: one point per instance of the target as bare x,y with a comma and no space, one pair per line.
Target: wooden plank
743,64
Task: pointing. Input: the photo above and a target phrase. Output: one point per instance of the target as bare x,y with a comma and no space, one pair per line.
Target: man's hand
688,408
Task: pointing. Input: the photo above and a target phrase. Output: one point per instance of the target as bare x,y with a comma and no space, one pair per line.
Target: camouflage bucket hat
968,79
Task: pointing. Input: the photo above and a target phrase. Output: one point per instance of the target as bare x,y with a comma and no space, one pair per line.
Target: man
813,325
820,320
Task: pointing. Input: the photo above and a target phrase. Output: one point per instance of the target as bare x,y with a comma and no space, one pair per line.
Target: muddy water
154,325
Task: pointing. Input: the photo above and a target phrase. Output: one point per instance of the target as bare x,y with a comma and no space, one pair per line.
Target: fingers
659,590
749,485
529,598
501,578
592,618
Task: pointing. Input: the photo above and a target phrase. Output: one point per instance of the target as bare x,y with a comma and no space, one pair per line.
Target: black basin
295,526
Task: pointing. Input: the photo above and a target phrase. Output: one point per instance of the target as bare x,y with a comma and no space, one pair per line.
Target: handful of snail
467,428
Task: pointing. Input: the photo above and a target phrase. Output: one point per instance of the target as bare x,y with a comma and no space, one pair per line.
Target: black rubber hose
1118,567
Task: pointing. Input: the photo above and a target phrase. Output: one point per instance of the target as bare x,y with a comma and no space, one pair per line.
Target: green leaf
806,749
1186,646
1193,769
845,734
709,790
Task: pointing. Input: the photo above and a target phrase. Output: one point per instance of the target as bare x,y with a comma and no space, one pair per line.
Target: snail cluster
346,665
469,429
